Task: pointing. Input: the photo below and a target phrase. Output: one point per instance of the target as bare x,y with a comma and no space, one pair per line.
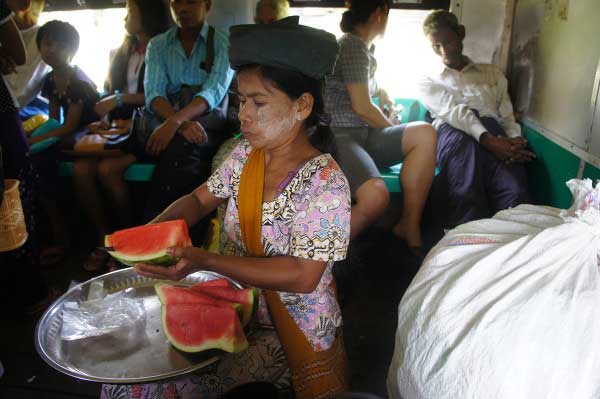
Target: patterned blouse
310,219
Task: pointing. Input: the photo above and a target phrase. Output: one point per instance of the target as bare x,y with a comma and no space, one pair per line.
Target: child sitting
70,90
66,87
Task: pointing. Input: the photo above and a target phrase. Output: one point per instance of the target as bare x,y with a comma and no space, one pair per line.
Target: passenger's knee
84,169
108,171
372,197
420,134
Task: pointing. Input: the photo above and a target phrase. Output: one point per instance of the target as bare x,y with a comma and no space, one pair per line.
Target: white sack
507,307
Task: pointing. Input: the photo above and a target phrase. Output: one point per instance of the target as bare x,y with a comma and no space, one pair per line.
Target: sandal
96,261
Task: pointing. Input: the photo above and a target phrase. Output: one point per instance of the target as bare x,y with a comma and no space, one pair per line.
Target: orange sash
314,374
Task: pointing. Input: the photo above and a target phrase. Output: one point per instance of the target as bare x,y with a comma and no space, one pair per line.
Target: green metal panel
548,174
591,172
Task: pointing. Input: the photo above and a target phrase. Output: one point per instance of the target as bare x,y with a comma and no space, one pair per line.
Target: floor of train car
372,280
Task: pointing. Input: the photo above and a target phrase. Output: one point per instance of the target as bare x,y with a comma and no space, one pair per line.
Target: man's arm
215,88
505,109
443,105
155,81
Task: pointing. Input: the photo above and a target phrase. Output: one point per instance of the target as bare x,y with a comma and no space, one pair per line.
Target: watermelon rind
157,259
234,343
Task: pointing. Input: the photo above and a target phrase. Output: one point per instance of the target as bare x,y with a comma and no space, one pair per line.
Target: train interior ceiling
554,83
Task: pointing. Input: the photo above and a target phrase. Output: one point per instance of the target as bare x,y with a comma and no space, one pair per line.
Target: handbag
102,143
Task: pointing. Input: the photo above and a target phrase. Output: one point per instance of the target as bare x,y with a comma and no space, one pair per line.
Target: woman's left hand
190,260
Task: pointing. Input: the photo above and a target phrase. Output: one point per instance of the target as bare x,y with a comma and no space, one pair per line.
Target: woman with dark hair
125,88
366,136
288,211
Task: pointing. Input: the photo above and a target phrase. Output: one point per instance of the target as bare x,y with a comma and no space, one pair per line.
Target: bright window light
100,31
403,55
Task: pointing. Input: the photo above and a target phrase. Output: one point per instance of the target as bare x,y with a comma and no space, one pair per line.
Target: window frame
397,4
71,5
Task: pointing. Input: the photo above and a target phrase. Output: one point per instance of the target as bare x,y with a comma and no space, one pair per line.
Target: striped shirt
168,68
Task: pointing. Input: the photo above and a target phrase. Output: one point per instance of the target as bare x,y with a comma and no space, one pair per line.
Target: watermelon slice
197,327
148,243
172,295
219,282
247,297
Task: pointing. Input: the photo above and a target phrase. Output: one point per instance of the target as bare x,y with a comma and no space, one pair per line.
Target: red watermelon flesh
197,327
148,243
219,282
172,295
247,297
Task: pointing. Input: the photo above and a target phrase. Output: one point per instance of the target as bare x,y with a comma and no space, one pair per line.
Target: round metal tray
119,361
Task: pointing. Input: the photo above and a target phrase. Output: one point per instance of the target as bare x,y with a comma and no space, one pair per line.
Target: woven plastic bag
507,307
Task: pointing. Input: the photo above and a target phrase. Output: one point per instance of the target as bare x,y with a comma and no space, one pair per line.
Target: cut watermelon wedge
198,327
219,282
247,297
148,243
171,295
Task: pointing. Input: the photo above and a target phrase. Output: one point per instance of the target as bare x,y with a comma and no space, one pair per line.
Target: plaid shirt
356,64
168,68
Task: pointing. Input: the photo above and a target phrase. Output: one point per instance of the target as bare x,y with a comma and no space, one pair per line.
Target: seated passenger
366,138
66,87
71,91
125,88
480,149
26,81
186,82
268,11
288,213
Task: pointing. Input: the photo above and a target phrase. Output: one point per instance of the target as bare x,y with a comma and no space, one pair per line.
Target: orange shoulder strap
250,199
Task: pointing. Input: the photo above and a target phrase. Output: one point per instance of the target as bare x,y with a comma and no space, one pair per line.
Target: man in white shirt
26,80
480,150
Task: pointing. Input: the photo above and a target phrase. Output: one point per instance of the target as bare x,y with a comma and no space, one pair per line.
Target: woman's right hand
104,106
161,137
189,260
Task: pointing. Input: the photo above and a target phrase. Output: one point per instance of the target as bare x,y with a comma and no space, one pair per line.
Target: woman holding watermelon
288,211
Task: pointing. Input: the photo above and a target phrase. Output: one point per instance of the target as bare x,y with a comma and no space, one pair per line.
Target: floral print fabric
309,219
263,361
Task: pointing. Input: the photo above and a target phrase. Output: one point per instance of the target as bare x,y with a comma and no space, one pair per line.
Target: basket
13,232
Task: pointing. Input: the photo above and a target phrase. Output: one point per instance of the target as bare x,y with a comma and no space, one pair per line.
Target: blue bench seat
142,172
138,172
412,110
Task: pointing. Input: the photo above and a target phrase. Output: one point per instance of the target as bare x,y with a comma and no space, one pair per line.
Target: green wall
591,172
553,167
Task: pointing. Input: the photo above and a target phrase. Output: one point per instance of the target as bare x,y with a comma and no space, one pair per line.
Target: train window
100,31
403,55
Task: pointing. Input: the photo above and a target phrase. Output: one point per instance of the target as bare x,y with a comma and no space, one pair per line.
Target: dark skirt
24,283
473,184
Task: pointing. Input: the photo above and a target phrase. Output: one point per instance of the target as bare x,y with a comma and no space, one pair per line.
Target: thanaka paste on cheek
275,121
